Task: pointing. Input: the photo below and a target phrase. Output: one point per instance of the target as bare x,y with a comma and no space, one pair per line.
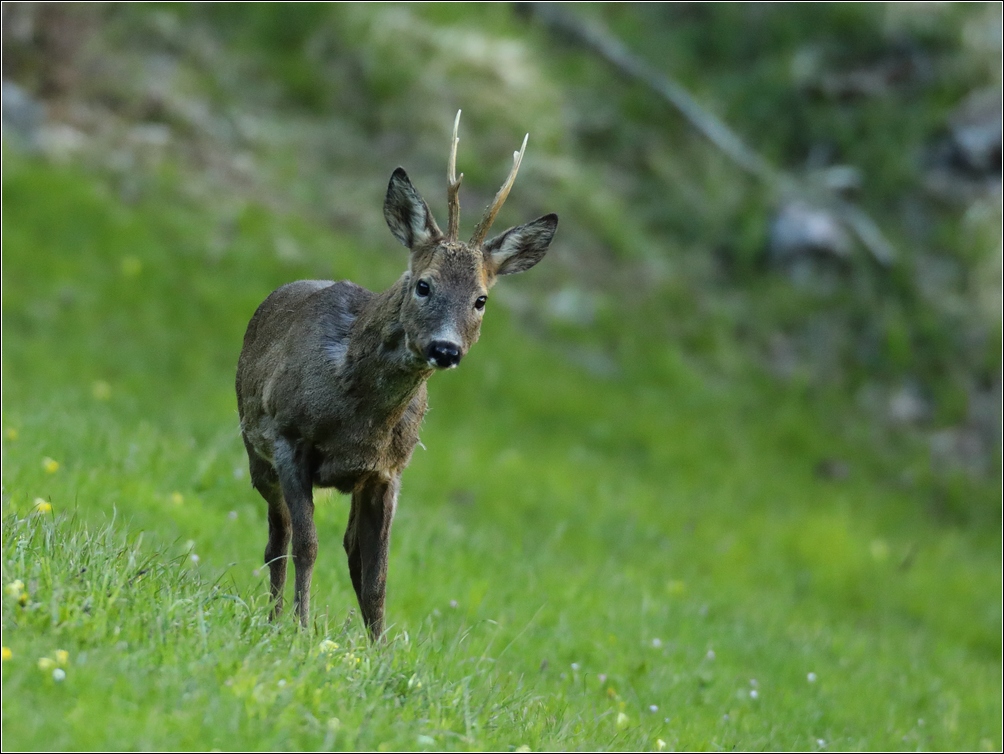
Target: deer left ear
520,248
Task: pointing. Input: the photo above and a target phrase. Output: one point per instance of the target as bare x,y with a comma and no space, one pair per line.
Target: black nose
443,354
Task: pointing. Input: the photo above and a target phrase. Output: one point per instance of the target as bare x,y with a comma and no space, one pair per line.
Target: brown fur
331,388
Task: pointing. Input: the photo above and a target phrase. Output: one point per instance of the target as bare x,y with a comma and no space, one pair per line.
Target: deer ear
520,248
407,214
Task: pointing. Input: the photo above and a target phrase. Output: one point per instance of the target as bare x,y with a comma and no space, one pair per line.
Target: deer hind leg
297,490
367,543
266,481
278,546
351,544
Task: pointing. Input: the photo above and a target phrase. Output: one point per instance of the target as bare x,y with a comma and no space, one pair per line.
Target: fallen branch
612,51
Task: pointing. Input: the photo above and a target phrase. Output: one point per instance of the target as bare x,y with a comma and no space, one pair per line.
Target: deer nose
443,354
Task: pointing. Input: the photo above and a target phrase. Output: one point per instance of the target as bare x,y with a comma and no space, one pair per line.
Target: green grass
570,550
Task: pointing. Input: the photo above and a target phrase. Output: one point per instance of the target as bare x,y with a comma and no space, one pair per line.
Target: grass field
640,557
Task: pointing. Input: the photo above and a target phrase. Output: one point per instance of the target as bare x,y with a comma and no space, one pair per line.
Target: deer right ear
407,214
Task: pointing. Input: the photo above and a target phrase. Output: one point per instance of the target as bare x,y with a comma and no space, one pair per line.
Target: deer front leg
295,482
266,481
367,543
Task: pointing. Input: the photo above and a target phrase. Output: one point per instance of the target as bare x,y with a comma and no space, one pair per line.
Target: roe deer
331,380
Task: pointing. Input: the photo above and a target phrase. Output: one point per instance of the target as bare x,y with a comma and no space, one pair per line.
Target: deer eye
480,303
422,289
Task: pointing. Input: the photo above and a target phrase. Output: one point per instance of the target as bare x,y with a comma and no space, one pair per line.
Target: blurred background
806,192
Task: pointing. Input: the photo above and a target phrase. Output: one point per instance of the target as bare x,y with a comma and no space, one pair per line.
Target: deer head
448,281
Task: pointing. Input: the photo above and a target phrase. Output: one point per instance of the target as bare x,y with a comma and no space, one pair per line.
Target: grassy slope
659,527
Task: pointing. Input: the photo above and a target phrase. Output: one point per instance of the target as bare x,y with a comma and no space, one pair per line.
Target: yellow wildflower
7,654
42,506
51,466
62,656
16,589
327,646
46,663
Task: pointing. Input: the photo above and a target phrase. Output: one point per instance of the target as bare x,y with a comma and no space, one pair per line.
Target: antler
493,209
453,186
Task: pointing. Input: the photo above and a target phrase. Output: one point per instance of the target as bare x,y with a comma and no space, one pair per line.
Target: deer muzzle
443,354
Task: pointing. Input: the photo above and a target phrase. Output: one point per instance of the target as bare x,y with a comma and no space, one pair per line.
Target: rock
965,163
959,449
799,228
60,141
841,179
807,242
22,115
975,133
908,406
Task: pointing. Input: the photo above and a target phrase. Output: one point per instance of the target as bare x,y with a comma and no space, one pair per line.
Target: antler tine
453,186
493,209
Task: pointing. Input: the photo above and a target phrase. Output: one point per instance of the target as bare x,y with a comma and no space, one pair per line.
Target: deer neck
381,360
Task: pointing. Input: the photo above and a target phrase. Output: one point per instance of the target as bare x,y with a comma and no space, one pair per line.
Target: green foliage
583,557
